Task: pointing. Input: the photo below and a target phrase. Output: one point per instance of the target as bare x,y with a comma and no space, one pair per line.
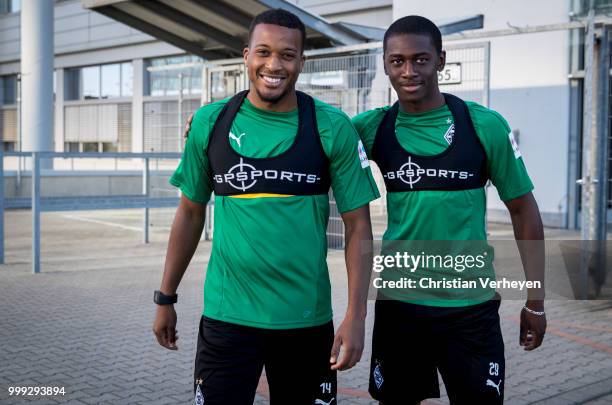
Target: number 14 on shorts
326,389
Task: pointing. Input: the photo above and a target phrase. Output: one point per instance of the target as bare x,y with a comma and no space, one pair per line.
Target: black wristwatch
162,299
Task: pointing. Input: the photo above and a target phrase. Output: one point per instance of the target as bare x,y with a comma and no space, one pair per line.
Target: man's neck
426,104
285,104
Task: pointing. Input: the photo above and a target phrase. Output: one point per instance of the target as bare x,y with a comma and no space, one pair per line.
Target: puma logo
237,139
492,384
321,402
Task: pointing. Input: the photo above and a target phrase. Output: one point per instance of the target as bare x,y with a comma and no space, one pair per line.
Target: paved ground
84,323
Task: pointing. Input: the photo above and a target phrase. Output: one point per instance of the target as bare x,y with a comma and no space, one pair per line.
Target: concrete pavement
85,322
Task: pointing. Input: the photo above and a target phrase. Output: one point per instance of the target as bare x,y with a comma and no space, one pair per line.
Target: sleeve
366,125
352,180
505,164
193,174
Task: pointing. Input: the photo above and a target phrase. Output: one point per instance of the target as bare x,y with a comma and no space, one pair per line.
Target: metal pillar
601,122
138,106
59,116
594,143
145,192
1,207
37,74
594,159
486,97
35,213
19,133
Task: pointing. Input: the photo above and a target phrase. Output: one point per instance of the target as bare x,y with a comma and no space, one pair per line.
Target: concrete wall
76,30
82,37
529,87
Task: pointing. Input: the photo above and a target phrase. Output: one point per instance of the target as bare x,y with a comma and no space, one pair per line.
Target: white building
107,100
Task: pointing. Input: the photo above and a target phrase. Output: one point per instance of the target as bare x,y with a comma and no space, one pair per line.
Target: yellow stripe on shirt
260,195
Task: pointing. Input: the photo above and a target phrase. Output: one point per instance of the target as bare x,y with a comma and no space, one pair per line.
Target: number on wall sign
451,74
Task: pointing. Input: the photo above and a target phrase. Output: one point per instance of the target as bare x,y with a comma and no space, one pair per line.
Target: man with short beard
436,153
270,155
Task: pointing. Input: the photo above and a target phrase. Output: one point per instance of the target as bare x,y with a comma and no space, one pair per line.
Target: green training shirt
448,215
268,266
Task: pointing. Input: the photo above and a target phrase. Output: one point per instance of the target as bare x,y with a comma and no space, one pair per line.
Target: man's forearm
184,237
358,256
529,234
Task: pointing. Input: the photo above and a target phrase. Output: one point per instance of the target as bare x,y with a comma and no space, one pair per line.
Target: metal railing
41,204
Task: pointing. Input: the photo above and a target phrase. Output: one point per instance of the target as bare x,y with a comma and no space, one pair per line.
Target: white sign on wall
451,74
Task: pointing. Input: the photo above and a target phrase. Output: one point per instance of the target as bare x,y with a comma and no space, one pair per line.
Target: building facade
105,97
112,92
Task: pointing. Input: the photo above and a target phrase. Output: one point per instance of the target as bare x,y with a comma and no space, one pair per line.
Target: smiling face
412,64
274,60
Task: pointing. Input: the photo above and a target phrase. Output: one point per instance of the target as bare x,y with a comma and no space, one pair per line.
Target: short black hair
278,16
414,24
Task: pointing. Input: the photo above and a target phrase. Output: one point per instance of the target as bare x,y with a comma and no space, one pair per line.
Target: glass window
127,79
9,6
8,89
172,83
153,84
90,147
8,146
601,7
90,81
166,82
217,86
71,146
71,84
101,81
111,81
196,81
109,147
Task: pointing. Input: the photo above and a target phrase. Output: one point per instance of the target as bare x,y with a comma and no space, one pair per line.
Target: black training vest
462,166
303,169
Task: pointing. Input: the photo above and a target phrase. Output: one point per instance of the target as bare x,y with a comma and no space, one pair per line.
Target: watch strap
162,299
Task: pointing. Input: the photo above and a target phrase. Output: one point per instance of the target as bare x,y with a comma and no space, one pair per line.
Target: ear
302,61
245,54
441,61
385,65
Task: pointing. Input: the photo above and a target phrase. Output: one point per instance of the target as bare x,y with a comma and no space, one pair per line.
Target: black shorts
230,358
411,343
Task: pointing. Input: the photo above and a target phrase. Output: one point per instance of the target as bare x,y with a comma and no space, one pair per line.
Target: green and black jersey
432,215
268,264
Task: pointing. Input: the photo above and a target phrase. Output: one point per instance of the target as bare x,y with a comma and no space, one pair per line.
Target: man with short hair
436,153
270,155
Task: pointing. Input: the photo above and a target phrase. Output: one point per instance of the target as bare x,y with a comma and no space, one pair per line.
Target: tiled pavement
85,323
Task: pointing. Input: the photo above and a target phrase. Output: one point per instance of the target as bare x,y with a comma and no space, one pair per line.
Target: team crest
450,134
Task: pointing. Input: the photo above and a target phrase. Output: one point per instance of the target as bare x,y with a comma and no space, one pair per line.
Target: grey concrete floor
84,322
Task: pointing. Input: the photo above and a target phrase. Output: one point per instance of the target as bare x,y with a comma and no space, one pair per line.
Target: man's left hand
350,336
532,331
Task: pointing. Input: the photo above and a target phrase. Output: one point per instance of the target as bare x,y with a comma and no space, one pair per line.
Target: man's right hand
188,126
164,326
